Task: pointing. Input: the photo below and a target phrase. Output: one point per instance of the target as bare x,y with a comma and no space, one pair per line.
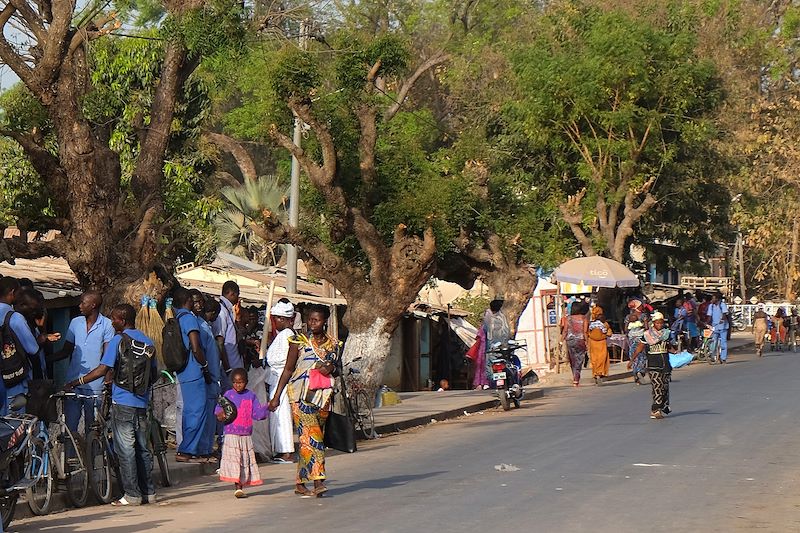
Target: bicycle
101,455
358,402
158,438
58,456
709,348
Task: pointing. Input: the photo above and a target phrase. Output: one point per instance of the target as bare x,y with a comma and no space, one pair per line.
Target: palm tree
232,224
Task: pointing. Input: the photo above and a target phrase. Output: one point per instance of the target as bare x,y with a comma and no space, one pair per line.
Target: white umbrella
596,271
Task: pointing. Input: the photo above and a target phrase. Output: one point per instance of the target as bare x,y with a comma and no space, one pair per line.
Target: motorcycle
15,436
737,321
506,372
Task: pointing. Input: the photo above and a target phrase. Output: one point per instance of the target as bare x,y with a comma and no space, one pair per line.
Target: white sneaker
151,498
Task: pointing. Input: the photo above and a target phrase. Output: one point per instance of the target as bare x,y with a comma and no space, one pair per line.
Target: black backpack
133,366
14,365
174,352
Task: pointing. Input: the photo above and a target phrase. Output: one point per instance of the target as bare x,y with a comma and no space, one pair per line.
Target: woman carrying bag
310,388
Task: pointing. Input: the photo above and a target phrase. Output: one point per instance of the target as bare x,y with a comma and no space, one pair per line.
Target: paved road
588,460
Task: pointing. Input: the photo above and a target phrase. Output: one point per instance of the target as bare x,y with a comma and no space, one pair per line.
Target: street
579,460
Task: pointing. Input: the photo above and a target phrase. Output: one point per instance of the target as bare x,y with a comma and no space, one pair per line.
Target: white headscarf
282,309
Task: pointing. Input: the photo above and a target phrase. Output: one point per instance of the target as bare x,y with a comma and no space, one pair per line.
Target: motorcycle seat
8,428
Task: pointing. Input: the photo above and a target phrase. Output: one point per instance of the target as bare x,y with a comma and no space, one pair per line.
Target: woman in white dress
281,430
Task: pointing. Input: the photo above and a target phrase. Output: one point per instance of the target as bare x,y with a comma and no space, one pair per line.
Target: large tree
107,200
614,111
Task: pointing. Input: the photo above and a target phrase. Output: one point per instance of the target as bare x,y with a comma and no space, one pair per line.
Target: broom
142,315
155,325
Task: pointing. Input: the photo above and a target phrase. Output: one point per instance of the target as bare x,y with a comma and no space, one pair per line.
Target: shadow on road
695,412
383,483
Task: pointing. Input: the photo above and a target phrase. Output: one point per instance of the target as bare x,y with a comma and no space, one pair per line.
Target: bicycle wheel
99,467
366,419
77,480
159,446
40,495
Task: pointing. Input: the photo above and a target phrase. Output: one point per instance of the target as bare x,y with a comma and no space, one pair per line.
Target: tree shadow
382,483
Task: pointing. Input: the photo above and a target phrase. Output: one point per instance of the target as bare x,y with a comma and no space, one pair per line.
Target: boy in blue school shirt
193,380
128,413
15,395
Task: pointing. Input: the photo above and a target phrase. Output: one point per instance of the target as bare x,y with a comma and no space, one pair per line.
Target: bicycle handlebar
65,394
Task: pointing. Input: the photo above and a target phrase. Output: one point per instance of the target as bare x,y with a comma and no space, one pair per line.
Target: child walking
238,464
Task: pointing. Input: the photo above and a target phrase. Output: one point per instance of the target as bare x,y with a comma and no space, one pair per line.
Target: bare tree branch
239,153
408,84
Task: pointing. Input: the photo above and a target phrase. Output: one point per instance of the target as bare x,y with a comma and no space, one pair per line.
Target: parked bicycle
101,458
57,456
359,400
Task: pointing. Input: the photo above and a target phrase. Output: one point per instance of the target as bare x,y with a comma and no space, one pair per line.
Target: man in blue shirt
86,340
225,329
15,395
193,380
211,351
718,314
128,413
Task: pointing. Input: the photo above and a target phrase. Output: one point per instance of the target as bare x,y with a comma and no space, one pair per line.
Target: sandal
303,492
183,458
122,502
239,493
319,491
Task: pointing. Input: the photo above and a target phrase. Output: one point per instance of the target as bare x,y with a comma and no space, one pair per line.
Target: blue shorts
691,327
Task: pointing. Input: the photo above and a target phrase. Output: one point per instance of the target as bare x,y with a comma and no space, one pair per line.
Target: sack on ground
14,365
134,363
677,360
175,354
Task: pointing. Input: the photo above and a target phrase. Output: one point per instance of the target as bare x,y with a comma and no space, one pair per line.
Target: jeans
74,407
721,337
131,446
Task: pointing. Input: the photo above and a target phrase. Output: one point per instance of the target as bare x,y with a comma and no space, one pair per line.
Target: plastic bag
677,360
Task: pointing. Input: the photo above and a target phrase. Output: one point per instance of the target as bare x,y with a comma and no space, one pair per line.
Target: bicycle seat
10,431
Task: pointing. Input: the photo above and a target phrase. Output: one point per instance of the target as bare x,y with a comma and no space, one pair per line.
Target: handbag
340,432
317,380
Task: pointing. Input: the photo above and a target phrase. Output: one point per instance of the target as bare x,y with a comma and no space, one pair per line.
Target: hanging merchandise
142,314
155,326
169,312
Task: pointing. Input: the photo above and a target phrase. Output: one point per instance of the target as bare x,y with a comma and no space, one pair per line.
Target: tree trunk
367,348
790,280
515,284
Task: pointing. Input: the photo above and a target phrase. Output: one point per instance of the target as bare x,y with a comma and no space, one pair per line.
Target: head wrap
657,316
634,304
597,311
282,309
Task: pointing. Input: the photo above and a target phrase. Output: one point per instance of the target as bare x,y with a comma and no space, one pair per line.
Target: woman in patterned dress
656,344
310,407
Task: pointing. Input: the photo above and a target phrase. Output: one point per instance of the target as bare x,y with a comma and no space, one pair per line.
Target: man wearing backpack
16,338
85,343
130,356
193,379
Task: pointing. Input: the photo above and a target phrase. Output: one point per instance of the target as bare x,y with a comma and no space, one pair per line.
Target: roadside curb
179,473
395,427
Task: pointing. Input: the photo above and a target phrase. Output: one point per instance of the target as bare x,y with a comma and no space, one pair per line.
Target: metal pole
294,190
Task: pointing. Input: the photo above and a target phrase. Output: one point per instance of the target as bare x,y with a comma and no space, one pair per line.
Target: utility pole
740,251
294,189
